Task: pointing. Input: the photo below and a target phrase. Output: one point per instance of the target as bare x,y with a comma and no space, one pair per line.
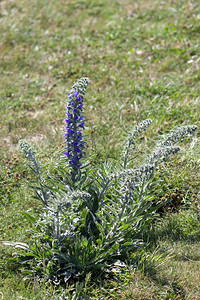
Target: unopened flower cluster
65,201
131,179
160,154
138,129
75,123
28,150
178,135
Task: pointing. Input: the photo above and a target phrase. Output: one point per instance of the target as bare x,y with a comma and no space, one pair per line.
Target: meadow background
142,58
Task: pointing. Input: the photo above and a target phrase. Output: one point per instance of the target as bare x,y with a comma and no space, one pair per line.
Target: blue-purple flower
75,145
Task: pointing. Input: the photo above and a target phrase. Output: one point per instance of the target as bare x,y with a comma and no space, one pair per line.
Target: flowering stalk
74,126
34,166
137,131
178,135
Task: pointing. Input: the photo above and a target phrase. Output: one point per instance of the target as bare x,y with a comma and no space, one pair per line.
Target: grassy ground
142,58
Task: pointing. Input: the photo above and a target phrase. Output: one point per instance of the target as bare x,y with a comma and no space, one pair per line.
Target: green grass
142,58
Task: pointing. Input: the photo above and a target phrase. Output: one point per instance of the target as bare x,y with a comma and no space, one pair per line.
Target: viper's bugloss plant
99,222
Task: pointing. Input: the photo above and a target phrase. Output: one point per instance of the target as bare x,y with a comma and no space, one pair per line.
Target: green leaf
28,217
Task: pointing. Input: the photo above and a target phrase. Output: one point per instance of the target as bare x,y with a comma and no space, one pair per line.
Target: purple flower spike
75,124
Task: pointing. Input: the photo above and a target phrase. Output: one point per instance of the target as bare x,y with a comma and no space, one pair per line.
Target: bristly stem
127,150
